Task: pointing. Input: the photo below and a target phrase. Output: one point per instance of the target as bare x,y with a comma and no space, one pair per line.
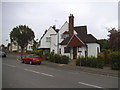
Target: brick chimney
71,24
54,27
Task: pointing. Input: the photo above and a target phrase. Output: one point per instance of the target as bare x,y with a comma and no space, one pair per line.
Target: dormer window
64,35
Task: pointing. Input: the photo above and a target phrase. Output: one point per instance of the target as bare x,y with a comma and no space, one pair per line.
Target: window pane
66,50
48,39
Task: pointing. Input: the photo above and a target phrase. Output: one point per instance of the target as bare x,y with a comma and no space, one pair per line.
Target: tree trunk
21,53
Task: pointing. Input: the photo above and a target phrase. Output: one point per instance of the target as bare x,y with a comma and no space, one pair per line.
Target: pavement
105,71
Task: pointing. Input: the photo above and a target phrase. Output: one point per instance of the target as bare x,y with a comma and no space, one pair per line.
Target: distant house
14,47
70,40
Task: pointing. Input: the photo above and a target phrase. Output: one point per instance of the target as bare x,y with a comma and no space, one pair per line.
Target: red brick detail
71,24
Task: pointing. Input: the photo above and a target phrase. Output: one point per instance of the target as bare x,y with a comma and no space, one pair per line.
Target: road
18,75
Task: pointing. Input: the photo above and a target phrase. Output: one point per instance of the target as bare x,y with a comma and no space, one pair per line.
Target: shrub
57,58
64,59
81,61
37,52
115,60
51,57
90,61
100,62
46,56
78,61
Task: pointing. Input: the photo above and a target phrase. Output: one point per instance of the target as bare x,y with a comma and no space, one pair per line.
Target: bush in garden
81,61
90,61
37,52
64,59
51,57
46,56
30,52
93,61
57,58
100,61
78,61
115,60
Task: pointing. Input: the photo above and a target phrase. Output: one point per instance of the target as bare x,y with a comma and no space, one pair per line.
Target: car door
29,57
26,59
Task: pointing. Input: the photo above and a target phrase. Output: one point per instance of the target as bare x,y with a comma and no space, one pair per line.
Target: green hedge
37,52
46,56
57,58
90,61
62,59
51,57
115,60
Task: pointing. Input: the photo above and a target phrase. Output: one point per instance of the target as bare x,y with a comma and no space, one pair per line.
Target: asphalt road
18,75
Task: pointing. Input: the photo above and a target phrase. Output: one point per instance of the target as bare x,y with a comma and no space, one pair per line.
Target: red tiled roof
75,41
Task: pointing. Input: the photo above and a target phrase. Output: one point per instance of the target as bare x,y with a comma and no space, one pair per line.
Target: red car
32,59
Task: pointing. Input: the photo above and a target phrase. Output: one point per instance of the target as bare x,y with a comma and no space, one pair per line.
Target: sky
39,15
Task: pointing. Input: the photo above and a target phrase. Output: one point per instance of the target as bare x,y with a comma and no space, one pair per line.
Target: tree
22,35
114,39
104,44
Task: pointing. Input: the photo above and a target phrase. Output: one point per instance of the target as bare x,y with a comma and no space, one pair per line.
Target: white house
14,47
70,40
49,40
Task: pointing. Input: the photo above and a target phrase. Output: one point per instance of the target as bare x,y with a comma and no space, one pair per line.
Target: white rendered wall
62,30
53,45
92,49
45,44
82,49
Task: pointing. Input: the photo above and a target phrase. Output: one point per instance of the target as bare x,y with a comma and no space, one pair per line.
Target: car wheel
39,63
31,62
22,61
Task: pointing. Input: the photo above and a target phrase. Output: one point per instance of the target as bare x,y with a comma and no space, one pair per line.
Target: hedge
36,52
56,58
115,60
64,59
90,61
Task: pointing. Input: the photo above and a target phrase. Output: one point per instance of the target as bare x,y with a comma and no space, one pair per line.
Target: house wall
15,47
29,47
92,49
62,30
45,44
54,44
82,49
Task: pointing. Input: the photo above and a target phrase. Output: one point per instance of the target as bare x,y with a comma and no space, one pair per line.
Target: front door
74,52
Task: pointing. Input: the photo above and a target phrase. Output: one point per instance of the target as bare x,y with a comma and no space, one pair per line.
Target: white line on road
89,85
9,65
39,72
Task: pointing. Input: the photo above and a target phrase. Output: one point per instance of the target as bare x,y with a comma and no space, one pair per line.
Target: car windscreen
28,56
36,56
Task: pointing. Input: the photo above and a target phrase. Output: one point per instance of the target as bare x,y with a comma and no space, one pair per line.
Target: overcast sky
39,16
